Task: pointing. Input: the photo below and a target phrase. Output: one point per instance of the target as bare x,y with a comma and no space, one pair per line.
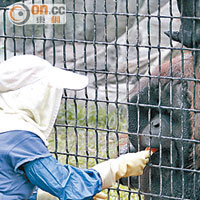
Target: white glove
100,196
45,195
131,164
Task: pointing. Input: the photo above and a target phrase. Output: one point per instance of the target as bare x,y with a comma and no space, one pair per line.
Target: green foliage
95,115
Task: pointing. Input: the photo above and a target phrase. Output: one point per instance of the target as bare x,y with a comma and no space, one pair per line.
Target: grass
87,134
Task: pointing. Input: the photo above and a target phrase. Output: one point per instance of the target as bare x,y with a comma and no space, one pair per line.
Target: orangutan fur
164,103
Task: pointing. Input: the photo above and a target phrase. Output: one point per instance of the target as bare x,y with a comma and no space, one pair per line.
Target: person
30,96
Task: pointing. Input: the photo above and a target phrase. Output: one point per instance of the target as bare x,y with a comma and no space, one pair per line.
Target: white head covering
30,93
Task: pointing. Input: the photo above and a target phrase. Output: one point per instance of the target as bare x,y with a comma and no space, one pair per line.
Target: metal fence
143,87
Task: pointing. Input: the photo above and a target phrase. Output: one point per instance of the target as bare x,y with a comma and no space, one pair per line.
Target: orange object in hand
152,149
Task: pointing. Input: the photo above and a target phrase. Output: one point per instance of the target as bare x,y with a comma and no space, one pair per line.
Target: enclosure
143,87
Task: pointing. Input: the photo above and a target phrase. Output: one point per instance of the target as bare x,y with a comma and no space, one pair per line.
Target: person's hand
131,164
100,196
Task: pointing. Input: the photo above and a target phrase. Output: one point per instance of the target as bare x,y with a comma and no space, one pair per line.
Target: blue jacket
25,162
